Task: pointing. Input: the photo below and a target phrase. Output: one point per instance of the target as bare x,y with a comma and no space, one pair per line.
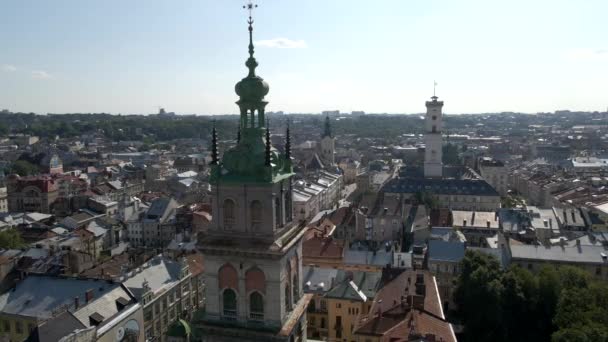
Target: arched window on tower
256,306
294,284
229,304
287,297
256,215
229,214
277,212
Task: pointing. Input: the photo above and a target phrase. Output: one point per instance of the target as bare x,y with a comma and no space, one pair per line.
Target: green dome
179,328
252,88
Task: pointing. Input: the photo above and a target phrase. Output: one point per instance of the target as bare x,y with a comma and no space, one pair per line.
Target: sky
117,56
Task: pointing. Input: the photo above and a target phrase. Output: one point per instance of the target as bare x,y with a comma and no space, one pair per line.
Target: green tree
478,296
24,168
10,239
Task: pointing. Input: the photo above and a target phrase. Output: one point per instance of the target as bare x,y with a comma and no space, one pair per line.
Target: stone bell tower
253,248
433,165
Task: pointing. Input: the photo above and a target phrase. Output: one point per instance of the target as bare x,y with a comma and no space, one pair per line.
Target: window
322,322
311,320
434,130
323,305
229,214
598,271
19,327
338,305
256,215
287,299
277,212
229,301
296,294
256,306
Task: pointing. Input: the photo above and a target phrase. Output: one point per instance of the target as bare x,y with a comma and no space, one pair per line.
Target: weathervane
250,6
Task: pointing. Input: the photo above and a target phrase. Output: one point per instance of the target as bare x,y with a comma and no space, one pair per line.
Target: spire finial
267,154
214,156
251,62
434,89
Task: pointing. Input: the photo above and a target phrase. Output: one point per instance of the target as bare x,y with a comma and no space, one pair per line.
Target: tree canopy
10,239
556,304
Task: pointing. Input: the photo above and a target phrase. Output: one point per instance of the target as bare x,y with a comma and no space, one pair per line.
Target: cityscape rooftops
44,297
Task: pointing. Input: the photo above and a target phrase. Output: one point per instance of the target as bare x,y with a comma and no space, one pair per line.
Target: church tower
253,248
328,143
433,166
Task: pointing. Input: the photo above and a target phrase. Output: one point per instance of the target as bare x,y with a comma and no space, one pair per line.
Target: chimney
420,286
488,223
578,244
473,219
89,295
464,223
76,302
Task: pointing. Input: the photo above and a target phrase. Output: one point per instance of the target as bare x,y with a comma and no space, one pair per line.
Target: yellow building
347,300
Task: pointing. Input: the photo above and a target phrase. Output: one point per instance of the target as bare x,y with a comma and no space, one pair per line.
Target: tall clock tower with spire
253,248
328,144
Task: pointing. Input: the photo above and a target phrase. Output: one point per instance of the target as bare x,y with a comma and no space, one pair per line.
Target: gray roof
567,254
57,327
355,285
96,229
160,273
475,187
41,296
317,279
440,250
355,257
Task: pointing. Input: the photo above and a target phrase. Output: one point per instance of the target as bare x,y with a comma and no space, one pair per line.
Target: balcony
229,315
256,316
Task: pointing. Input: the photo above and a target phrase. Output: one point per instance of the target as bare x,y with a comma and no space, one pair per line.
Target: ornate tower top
252,88
253,159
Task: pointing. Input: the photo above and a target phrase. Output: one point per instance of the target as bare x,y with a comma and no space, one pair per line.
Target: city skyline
347,55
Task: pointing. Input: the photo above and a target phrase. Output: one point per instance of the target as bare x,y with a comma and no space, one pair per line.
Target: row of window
18,327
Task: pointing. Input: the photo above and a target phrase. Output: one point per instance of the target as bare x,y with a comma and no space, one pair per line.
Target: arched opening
229,304
287,299
229,214
256,306
255,280
296,290
228,277
434,129
256,214
277,212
